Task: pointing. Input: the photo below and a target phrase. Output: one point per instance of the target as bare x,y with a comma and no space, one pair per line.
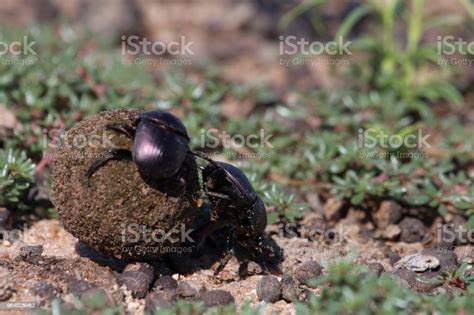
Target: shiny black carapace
160,146
235,203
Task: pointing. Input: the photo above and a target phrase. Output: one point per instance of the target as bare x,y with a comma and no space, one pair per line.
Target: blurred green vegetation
349,289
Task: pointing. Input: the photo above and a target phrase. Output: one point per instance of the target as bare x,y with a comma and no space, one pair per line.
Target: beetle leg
174,186
217,195
223,262
113,154
202,235
134,118
125,129
228,253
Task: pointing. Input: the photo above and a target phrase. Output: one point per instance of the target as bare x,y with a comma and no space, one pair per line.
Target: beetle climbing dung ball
113,209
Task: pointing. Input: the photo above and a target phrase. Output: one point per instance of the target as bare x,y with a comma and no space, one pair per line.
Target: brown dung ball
115,211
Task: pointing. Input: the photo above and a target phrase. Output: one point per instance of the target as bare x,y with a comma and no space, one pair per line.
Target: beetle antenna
165,126
203,156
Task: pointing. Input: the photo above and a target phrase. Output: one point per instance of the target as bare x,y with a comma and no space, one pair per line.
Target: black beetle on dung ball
167,184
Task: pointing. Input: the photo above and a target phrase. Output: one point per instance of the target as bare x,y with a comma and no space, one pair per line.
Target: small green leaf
357,199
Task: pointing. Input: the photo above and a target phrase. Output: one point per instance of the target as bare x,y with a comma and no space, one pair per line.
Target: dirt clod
190,289
137,278
334,209
165,282
44,289
391,232
388,213
289,288
447,258
418,262
269,289
413,230
80,287
5,218
410,279
159,300
217,297
376,268
249,269
307,271
30,254
6,285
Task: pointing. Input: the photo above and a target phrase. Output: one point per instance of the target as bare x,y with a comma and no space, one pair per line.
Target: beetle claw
113,154
125,129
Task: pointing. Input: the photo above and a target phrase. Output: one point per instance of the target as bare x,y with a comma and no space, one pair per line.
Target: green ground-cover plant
63,83
16,176
347,288
460,278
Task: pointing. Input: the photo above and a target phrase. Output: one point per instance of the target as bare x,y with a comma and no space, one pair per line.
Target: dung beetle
160,145
235,203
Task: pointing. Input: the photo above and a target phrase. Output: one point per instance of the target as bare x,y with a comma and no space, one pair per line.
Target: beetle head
261,249
167,121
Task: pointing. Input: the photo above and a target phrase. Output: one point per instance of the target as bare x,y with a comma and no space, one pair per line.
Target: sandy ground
61,265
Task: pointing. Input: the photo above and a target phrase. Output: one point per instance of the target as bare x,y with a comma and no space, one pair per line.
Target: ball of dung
115,211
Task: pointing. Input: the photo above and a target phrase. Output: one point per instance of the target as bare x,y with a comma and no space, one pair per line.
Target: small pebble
376,268
391,255
334,209
388,213
308,270
5,218
249,269
447,258
159,300
137,278
418,262
289,289
390,232
269,289
80,287
43,289
165,282
188,289
412,230
93,293
217,297
30,254
408,278
6,289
